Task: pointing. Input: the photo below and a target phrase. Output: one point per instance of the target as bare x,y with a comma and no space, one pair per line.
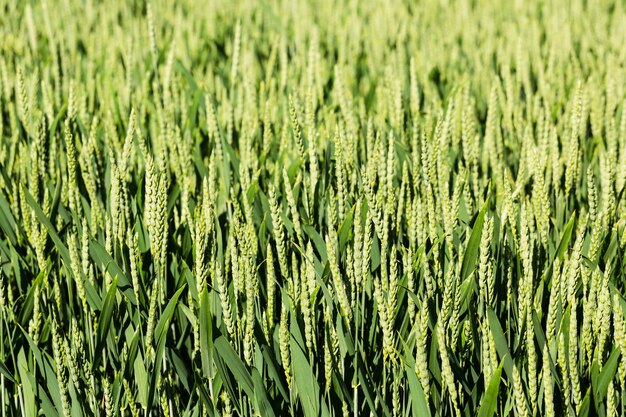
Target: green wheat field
312,208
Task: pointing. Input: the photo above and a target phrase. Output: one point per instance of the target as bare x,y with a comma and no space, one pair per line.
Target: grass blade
490,398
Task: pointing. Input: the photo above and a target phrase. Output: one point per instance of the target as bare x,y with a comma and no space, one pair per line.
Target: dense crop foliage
312,208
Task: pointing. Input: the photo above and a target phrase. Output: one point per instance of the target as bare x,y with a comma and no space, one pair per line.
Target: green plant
312,208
